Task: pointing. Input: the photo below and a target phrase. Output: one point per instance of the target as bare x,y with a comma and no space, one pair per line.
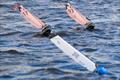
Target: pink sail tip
76,15
16,7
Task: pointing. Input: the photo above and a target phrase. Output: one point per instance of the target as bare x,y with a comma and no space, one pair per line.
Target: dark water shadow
13,52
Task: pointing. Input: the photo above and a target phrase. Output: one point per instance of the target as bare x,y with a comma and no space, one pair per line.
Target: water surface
25,55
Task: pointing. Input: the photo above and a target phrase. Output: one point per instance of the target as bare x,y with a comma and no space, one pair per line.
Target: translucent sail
31,18
76,15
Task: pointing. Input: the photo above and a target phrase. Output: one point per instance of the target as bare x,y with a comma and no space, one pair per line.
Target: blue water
25,55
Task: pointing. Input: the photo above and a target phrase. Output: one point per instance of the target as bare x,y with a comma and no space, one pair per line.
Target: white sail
73,53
